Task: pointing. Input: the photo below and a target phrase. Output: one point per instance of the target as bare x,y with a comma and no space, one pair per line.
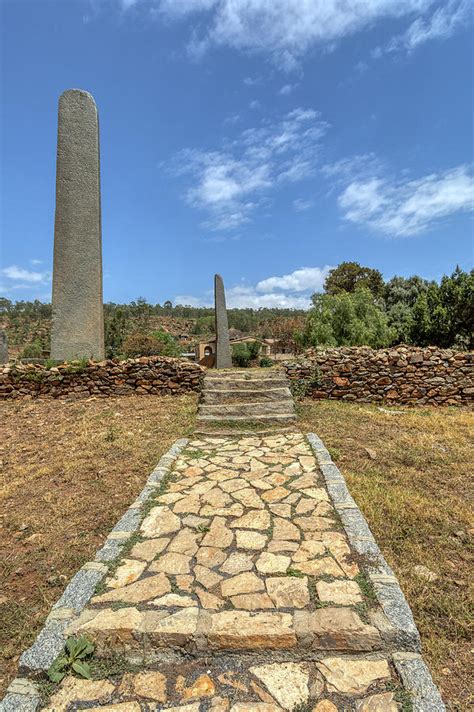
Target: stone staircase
251,401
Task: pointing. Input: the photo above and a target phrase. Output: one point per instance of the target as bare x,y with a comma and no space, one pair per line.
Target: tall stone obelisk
78,319
223,353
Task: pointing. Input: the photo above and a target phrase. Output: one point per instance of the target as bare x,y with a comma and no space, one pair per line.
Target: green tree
169,345
422,325
115,329
347,319
349,276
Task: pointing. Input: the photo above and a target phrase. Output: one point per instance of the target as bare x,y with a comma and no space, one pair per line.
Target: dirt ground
410,471
68,472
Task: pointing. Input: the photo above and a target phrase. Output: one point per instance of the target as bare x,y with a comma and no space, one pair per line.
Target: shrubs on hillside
158,343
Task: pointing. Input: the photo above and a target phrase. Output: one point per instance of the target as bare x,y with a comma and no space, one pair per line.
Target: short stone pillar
77,329
3,346
223,353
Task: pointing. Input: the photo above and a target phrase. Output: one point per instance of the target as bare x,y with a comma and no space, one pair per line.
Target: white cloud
252,81
29,277
301,280
233,119
440,25
290,291
407,207
254,104
287,29
361,67
287,89
300,204
361,165
232,183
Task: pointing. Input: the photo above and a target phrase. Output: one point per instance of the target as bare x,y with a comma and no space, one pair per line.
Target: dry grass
69,470
415,490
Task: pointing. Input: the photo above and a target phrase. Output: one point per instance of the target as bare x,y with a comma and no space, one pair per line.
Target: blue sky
267,140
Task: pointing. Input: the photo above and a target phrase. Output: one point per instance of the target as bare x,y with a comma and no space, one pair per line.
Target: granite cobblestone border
23,695
398,628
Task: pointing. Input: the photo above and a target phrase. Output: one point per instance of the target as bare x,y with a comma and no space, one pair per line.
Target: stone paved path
240,593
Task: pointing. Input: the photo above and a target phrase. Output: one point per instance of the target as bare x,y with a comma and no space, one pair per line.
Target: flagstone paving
243,575
241,591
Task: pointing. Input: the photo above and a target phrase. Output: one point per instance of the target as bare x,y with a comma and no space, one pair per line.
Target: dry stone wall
153,375
402,375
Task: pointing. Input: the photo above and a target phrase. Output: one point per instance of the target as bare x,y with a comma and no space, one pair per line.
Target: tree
244,353
169,345
400,295
349,276
456,294
115,329
347,319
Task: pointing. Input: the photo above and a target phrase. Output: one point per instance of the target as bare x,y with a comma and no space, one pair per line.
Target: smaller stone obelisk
77,329
3,346
223,353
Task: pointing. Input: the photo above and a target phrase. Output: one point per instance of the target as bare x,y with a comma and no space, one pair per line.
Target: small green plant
49,363
266,362
110,435
174,587
302,707
401,695
302,387
335,453
35,376
72,660
202,528
78,366
366,587
33,350
194,454
296,573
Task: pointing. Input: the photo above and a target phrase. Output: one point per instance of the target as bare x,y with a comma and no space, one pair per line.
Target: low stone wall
401,375
153,374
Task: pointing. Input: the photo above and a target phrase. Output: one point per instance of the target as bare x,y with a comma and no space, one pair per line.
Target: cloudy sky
267,140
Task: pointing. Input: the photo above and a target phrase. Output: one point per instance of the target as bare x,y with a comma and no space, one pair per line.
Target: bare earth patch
409,472
68,472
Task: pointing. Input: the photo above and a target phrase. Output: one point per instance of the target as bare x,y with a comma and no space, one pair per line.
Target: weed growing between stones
194,454
302,387
402,696
73,659
362,610
295,573
303,707
46,688
116,605
112,667
367,588
174,586
79,366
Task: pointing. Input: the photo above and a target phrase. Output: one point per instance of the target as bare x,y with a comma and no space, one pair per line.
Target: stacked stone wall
402,375
152,375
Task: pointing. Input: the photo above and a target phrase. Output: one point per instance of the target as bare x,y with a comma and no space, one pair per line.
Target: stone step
212,397
253,384
196,630
251,420
244,374
209,430
247,409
